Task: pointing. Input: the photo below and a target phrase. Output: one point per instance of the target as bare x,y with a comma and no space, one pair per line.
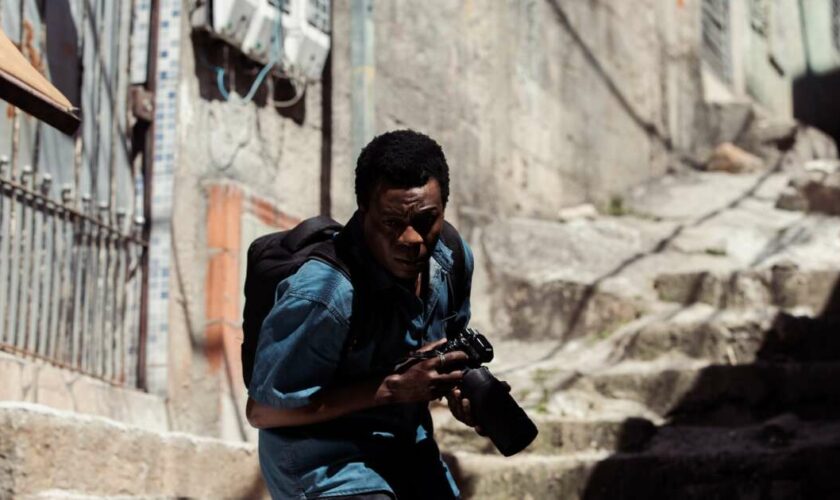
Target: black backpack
276,256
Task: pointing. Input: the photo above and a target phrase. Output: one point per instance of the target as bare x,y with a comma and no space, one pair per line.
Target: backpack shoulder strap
309,231
326,252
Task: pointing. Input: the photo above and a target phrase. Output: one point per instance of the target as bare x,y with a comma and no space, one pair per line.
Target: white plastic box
231,19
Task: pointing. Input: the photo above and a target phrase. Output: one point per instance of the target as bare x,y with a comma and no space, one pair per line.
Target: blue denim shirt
387,448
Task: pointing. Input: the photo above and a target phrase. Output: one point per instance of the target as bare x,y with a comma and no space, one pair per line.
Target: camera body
494,410
473,344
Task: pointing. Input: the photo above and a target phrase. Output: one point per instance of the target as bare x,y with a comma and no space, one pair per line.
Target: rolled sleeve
299,350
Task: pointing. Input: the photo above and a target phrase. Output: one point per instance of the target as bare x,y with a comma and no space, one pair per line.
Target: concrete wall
265,152
28,380
538,104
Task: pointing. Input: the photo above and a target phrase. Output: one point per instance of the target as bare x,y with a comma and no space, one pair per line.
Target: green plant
616,206
717,252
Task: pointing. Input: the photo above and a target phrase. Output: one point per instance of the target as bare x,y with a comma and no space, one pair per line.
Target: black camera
473,344
494,410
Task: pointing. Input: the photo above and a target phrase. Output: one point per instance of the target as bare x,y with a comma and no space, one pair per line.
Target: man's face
402,226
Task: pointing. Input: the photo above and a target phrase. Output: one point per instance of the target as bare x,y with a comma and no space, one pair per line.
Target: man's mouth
408,262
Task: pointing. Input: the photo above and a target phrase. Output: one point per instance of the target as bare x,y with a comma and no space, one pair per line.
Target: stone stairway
718,379
47,453
713,414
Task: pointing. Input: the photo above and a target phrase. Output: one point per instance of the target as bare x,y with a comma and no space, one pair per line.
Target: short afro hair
402,158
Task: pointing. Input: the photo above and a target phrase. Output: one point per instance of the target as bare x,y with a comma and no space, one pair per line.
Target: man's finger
467,412
449,378
455,408
431,345
455,358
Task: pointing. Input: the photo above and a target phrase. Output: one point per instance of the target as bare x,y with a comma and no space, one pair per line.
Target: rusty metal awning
23,86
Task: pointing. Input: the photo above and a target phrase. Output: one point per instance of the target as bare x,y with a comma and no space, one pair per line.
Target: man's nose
410,237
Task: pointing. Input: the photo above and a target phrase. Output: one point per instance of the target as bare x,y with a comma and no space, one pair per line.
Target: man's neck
418,285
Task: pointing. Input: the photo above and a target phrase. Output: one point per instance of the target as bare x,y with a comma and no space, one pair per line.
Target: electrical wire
299,93
274,59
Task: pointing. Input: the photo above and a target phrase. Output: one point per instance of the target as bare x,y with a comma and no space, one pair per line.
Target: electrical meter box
252,26
271,20
231,19
307,46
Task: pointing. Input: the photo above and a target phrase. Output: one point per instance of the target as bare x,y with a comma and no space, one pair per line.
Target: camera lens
497,413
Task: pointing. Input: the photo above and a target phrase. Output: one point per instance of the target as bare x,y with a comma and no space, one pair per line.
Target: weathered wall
35,381
275,154
538,104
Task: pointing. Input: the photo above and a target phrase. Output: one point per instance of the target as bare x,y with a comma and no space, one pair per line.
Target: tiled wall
164,163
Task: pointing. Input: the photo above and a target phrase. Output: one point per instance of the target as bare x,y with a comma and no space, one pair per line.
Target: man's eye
424,222
393,223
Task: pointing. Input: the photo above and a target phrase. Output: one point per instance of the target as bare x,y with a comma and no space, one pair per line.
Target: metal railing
69,279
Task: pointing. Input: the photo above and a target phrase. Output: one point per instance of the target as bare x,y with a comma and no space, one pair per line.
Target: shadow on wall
239,75
816,102
767,429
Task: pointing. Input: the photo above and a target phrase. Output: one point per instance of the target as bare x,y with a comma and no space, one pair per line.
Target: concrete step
109,459
766,461
700,332
74,495
784,286
734,337
557,435
489,477
694,387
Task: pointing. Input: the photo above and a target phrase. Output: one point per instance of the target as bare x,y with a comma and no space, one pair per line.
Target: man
335,420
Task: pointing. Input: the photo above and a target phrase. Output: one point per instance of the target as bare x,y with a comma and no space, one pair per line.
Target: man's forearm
422,381
330,403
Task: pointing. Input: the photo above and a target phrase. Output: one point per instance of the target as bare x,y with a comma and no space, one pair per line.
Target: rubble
729,158
816,189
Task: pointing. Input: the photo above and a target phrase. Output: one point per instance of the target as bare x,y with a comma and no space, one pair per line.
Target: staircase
723,384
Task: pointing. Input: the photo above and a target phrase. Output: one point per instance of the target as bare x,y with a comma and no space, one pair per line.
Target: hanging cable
300,91
276,54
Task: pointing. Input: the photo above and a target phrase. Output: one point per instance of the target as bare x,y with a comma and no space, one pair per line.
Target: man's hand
425,380
461,409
